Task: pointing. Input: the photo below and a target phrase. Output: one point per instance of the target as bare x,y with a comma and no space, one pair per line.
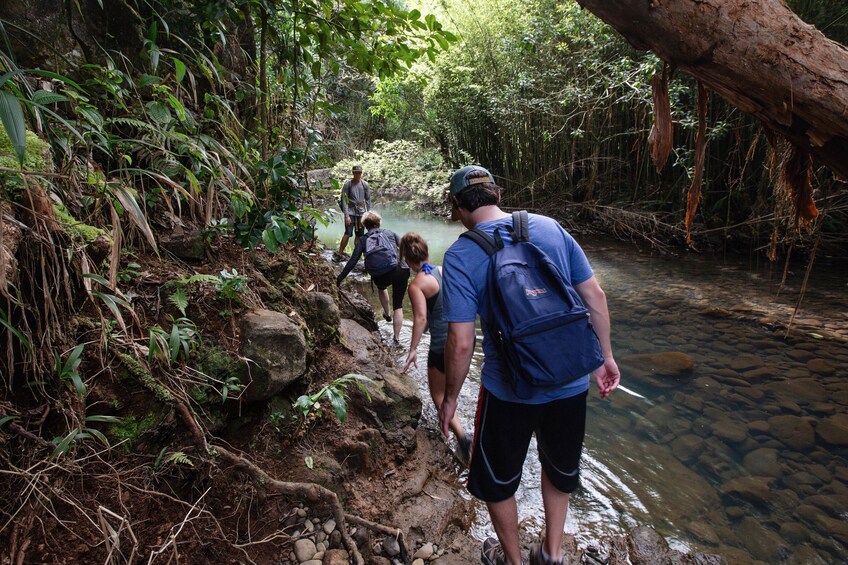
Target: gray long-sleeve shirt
356,198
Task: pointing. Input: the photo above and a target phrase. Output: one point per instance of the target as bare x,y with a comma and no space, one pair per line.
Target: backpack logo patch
535,293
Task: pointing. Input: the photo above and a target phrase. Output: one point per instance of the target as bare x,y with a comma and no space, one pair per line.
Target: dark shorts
502,434
355,224
397,279
436,360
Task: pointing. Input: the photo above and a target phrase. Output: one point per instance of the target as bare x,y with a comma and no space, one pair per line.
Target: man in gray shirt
355,201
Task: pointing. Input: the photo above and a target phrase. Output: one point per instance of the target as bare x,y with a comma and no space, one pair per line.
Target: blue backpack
381,252
539,325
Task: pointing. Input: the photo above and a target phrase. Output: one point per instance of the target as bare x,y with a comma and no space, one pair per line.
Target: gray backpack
381,253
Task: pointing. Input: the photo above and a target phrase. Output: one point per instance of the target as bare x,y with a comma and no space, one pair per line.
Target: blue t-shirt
464,274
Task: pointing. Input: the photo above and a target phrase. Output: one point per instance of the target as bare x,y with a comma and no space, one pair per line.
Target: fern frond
179,298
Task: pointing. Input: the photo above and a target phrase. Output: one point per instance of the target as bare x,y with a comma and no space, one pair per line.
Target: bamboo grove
561,108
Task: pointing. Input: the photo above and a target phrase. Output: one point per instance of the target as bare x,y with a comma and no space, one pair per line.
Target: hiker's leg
436,384
556,509
559,437
384,300
501,437
343,244
401,279
504,515
397,322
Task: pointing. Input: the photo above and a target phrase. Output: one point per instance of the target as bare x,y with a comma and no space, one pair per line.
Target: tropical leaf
159,112
43,97
338,402
13,121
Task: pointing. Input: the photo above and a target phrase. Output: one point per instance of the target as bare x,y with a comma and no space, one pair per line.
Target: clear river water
745,455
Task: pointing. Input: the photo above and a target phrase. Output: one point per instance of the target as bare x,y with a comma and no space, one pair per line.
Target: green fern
179,458
179,298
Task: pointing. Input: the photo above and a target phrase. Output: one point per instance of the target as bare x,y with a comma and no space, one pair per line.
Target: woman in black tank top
426,298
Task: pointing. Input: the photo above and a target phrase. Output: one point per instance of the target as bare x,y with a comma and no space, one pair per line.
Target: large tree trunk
755,53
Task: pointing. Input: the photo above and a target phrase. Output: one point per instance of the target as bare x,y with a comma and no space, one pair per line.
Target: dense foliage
560,107
128,123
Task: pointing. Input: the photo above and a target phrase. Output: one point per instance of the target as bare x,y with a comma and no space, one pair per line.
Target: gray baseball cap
459,180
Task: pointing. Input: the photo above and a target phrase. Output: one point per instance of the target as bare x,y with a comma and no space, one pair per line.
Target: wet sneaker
388,318
538,557
492,553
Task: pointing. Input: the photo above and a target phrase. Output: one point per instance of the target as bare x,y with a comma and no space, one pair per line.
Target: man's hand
347,220
411,359
607,376
446,413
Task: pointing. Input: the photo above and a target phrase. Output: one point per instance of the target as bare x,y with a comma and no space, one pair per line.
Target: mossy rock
36,153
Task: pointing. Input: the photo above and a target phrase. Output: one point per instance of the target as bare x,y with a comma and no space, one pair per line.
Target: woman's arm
419,321
354,259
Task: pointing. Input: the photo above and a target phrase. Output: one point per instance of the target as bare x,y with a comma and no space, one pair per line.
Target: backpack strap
520,229
484,240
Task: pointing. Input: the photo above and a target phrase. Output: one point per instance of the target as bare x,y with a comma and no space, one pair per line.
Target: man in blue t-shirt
505,422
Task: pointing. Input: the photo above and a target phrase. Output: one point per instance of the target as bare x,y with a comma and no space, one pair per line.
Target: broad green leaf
177,106
339,404
159,112
92,115
95,277
73,361
270,241
13,120
99,435
174,342
179,69
43,97
79,386
64,444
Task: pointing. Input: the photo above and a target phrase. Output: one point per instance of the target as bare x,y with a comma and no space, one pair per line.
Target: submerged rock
660,369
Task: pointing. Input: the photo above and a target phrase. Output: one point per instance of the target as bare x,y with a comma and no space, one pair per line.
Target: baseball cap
357,169
459,180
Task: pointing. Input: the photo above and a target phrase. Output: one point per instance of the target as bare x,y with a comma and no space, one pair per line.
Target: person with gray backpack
546,329
382,262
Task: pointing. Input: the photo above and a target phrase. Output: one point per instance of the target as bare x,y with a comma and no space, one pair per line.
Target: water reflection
743,456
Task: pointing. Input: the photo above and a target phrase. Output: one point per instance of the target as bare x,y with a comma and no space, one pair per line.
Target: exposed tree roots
311,492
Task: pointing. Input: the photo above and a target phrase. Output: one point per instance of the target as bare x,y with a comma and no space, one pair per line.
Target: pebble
391,546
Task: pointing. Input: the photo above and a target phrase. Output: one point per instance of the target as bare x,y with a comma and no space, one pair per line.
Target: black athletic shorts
355,224
436,360
502,432
397,279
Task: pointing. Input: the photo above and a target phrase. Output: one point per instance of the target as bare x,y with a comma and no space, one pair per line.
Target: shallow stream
746,455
